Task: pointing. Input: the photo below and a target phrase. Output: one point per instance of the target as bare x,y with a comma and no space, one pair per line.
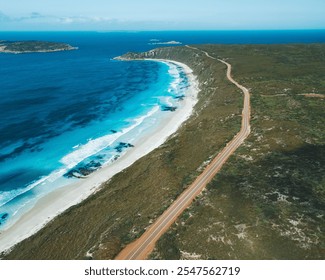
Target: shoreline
55,203
34,47
3,50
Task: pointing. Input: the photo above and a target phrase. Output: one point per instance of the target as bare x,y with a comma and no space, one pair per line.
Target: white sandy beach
61,199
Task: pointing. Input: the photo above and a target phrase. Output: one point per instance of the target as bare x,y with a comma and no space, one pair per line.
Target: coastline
5,48
2,50
53,204
117,214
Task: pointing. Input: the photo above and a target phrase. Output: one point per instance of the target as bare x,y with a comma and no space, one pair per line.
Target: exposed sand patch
61,199
313,95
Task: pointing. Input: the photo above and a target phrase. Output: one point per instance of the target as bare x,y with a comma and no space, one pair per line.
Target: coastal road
142,247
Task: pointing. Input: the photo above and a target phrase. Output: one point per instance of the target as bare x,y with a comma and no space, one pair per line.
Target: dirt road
142,247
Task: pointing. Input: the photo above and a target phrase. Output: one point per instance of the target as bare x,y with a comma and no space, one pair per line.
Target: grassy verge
268,201
100,226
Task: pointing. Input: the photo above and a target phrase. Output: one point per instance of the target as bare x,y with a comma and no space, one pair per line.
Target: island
20,47
156,42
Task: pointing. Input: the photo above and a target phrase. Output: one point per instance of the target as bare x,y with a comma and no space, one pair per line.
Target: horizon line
170,30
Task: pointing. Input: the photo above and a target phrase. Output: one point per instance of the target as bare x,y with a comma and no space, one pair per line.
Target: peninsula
267,201
20,47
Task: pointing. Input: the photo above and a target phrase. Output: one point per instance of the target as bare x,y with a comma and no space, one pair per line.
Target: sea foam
19,200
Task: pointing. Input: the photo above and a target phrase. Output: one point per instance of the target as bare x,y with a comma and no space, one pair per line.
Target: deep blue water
68,109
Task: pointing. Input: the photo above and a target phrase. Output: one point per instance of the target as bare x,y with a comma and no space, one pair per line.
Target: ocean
66,114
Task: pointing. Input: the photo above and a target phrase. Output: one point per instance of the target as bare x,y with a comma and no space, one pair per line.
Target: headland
266,203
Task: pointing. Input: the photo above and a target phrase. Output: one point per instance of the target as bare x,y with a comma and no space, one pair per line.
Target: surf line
143,246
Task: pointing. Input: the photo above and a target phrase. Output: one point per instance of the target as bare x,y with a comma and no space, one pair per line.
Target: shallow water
66,114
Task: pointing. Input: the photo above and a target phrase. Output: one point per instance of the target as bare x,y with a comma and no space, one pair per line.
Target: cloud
37,18
3,17
28,17
31,17
36,15
84,19
40,21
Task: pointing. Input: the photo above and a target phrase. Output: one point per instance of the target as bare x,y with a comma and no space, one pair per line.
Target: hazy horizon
169,30
145,15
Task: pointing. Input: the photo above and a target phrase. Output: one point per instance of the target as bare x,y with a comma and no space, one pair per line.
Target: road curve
142,247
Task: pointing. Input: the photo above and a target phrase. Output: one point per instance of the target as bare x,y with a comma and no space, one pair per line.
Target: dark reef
168,108
3,217
82,171
122,146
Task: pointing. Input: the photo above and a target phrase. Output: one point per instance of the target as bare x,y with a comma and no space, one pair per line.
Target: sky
112,15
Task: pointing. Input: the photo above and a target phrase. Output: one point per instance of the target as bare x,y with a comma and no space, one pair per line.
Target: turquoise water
66,114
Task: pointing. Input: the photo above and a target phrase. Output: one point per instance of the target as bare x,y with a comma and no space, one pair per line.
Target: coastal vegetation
268,200
33,46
